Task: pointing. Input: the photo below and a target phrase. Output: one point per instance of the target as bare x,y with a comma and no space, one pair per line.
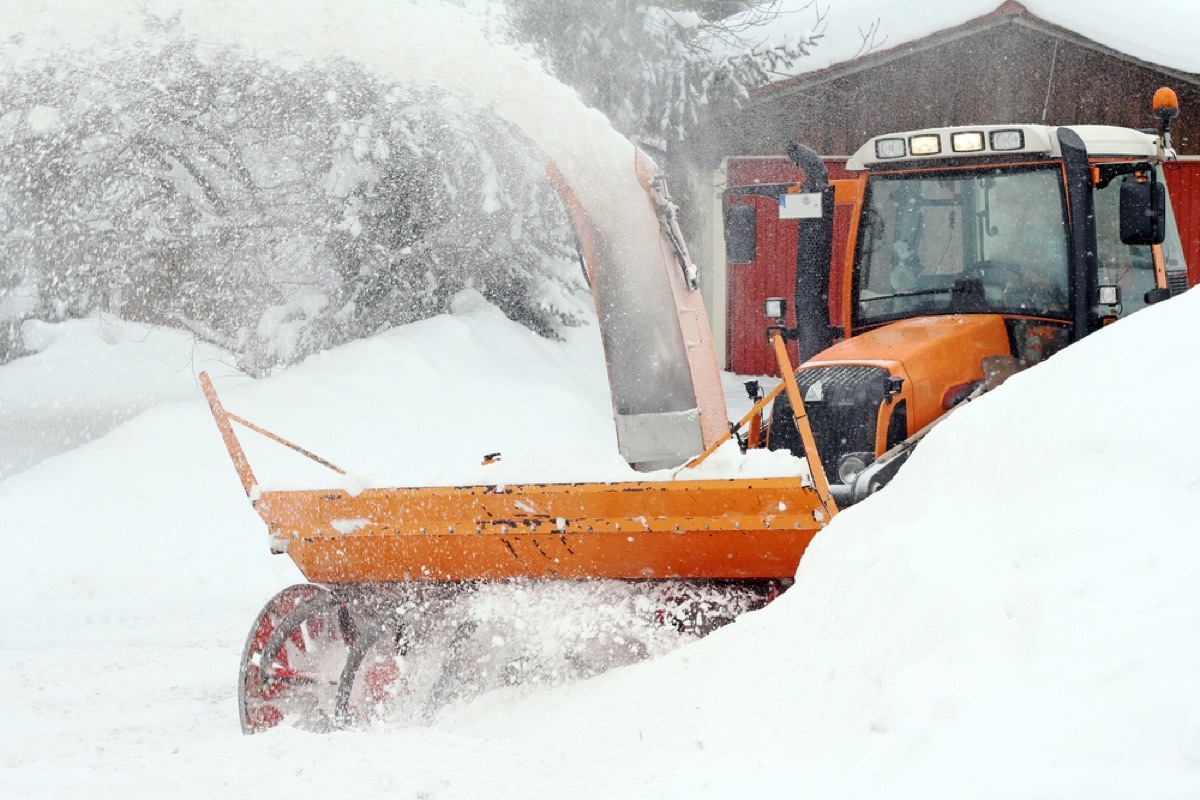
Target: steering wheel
1017,285
1002,275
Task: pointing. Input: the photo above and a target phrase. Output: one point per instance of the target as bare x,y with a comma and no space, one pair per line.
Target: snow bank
87,376
1013,617
423,404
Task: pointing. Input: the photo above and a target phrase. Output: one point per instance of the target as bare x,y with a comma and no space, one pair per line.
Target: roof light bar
970,142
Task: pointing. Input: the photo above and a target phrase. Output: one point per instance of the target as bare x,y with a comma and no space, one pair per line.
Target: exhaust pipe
814,246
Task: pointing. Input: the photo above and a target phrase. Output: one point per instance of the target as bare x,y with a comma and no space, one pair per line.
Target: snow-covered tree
656,69
281,209
653,67
274,210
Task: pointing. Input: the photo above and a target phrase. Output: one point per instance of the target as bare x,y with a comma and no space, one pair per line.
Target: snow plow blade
716,529
399,618
742,528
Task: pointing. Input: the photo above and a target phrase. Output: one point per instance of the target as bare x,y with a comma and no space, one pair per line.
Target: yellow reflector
1008,140
968,142
889,148
925,145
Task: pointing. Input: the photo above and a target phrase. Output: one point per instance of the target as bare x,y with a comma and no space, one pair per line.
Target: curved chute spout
668,404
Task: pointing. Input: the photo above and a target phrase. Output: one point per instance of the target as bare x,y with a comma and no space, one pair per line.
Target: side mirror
1143,212
1157,296
741,234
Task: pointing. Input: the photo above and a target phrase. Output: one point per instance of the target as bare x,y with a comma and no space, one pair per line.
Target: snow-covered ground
88,376
1014,617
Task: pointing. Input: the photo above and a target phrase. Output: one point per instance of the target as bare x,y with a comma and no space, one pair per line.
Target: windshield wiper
915,293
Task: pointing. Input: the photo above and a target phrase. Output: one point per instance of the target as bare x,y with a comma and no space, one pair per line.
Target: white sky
1159,31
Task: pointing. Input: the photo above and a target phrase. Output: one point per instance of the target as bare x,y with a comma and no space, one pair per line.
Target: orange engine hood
932,354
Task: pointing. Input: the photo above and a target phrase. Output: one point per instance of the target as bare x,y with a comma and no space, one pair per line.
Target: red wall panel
773,271
1184,185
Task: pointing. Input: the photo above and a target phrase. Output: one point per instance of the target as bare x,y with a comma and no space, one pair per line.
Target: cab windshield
964,242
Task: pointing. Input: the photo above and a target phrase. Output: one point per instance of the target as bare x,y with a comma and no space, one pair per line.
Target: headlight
850,465
966,142
926,145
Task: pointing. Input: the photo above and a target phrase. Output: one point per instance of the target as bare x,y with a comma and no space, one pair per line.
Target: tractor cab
974,252
980,221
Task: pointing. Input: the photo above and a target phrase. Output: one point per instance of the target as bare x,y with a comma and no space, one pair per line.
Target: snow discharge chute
668,404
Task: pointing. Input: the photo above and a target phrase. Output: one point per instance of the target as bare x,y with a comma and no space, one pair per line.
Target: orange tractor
974,252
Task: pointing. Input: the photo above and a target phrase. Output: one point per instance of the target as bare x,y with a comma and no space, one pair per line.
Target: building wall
1006,74
772,273
1183,182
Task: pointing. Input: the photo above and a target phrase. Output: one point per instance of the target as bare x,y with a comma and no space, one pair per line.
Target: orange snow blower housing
733,529
327,654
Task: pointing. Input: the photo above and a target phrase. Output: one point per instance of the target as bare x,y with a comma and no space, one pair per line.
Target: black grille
1177,282
842,413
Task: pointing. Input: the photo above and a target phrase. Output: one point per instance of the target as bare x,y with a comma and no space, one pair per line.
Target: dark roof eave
1010,13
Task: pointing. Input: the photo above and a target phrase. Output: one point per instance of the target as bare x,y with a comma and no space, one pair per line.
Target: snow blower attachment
412,584
425,595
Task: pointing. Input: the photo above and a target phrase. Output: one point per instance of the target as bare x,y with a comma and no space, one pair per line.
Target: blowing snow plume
278,179
173,173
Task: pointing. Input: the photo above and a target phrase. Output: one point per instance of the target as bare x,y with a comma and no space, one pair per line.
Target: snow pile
86,377
1013,617
422,405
